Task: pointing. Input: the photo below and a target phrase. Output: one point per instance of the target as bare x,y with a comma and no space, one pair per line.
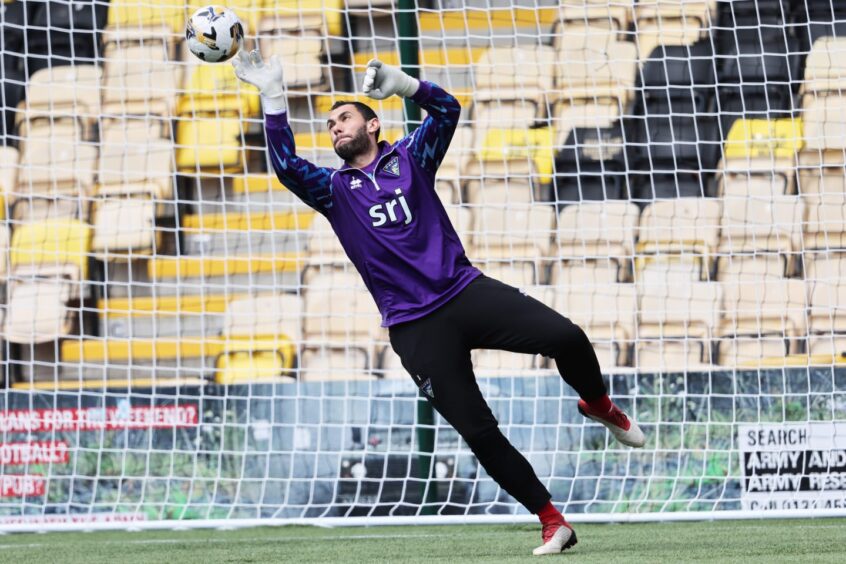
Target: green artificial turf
817,540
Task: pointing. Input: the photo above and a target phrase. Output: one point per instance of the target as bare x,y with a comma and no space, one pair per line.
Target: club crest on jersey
355,183
392,167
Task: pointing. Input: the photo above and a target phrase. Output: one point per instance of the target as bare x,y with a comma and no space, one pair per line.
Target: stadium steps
227,234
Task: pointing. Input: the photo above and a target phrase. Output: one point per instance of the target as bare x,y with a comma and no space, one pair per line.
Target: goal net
183,340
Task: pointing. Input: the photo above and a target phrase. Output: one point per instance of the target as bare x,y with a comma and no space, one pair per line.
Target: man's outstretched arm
311,183
428,143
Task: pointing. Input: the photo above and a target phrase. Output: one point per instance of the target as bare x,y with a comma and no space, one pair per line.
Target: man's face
351,135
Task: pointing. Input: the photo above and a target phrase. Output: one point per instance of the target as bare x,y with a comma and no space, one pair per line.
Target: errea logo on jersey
355,183
378,211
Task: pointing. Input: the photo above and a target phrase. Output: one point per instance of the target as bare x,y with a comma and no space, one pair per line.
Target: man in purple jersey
436,305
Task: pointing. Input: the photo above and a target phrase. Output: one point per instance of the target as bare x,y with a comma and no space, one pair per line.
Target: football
214,34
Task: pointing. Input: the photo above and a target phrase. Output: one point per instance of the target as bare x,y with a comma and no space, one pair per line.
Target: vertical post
409,50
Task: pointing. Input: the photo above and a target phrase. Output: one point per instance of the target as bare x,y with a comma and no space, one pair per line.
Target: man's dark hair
366,111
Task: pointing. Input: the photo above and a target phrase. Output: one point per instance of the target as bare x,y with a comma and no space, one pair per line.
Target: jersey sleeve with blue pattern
429,143
311,183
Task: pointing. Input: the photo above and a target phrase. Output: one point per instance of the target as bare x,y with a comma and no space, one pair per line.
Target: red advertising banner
33,452
18,485
95,418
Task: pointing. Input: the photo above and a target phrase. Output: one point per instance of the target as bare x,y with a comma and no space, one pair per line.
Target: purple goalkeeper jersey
387,216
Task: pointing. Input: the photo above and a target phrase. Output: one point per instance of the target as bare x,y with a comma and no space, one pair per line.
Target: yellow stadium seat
764,139
503,145
209,141
134,14
245,366
215,89
52,246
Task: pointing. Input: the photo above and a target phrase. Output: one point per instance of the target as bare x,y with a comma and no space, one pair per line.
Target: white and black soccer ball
214,34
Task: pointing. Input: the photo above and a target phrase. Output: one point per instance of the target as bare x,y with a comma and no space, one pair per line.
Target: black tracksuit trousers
488,314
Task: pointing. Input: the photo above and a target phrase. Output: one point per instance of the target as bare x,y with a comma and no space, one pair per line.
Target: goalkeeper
437,306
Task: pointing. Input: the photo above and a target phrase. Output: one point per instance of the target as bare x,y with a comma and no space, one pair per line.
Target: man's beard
359,144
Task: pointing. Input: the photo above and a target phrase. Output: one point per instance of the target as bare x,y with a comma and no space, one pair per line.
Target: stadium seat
64,91
821,173
492,363
578,16
13,90
56,167
130,161
514,232
772,311
753,225
65,33
214,89
598,230
819,18
676,324
339,309
519,274
125,223
37,311
689,227
827,312
517,150
210,142
323,245
750,266
300,57
4,251
158,317
760,157
591,165
607,313
825,68
451,171
335,363
141,79
601,75
582,272
825,122
512,85
51,248
260,329
662,22
669,268
826,224
499,183
9,167
462,219
320,17
130,16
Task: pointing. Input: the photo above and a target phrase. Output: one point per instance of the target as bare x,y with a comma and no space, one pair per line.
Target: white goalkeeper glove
381,81
267,78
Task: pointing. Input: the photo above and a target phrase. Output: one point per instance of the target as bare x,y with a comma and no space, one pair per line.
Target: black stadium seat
65,32
591,166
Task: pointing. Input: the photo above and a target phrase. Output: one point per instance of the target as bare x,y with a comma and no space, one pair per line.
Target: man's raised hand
266,77
382,81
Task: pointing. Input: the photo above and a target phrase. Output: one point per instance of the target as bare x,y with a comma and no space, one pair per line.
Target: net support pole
409,49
